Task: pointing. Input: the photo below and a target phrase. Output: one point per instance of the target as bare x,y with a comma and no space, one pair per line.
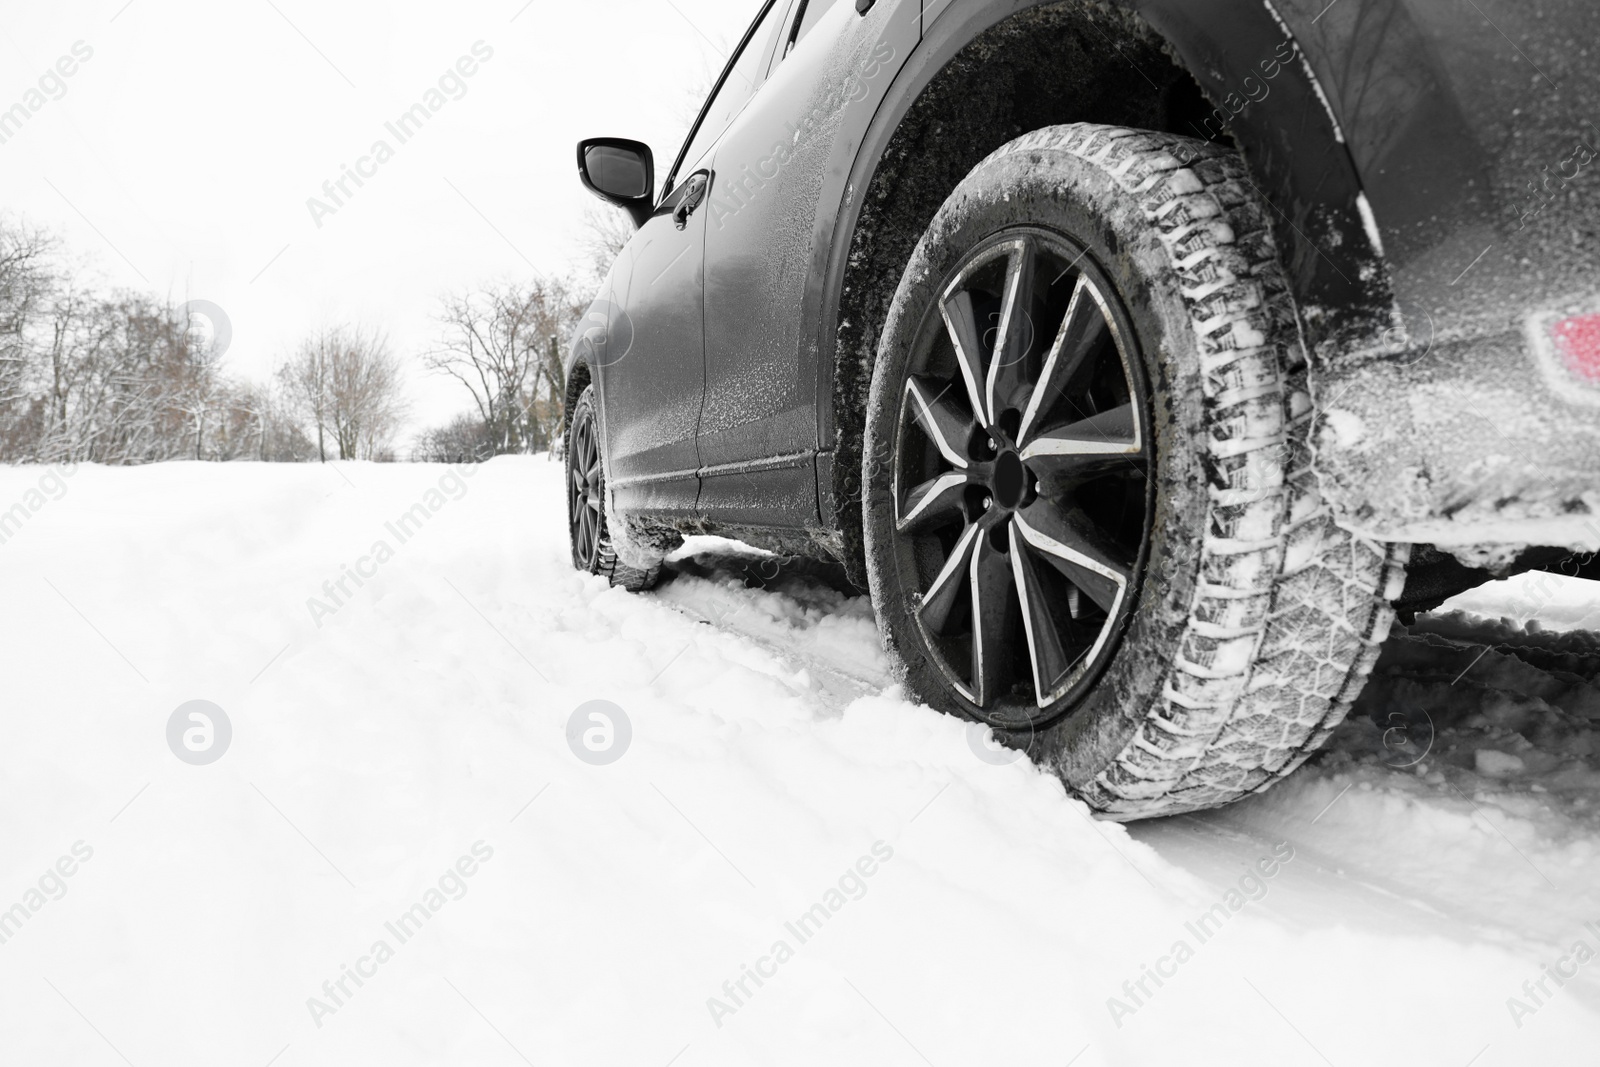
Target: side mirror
620,172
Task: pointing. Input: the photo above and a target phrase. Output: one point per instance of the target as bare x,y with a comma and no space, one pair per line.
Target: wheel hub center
1010,480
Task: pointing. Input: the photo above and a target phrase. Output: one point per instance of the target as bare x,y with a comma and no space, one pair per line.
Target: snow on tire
590,521
1254,620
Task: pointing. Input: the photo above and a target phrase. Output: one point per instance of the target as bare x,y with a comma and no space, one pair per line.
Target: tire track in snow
1364,831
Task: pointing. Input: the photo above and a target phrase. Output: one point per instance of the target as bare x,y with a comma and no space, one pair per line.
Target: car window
738,86
810,12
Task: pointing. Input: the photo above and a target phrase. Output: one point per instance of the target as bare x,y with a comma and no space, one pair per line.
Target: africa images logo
451,85
449,886
604,334
199,732
850,886
52,85
599,732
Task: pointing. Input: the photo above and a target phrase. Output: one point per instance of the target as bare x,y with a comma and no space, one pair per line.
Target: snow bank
631,912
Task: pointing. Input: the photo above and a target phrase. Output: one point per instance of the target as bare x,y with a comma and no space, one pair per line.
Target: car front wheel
1091,520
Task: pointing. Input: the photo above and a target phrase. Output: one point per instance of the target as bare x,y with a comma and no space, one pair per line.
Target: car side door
653,364
649,360
781,169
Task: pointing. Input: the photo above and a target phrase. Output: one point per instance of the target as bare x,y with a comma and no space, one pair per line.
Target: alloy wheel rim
1022,476
584,490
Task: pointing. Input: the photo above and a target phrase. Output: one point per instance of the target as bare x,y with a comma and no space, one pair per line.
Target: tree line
121,377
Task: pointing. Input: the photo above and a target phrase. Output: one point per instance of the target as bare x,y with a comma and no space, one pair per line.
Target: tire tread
606,562
1265,670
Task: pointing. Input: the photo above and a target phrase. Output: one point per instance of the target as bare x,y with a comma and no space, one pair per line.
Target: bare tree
304,378
345,385
125,378
461,440
497,342
268,429
116,380
26,281
605,231
368,395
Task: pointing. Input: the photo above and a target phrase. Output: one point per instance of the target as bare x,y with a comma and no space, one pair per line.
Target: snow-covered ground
788,863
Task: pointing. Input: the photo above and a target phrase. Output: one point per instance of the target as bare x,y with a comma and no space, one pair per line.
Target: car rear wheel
587,524
1091,520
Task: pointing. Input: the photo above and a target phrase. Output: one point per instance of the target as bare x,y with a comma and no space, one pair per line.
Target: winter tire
592,548
1091,519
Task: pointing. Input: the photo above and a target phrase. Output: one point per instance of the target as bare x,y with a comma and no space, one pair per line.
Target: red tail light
1577,343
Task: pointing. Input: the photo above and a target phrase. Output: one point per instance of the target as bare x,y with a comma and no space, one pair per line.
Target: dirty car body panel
1430,173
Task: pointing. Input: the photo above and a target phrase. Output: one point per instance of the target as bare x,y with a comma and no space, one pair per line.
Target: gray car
1142,359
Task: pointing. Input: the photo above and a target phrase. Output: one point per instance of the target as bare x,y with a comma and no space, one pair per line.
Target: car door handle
694,191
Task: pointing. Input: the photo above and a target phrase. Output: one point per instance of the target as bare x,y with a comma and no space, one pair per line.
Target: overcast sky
179,157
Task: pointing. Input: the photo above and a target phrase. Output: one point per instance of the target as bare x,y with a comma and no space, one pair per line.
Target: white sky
180,159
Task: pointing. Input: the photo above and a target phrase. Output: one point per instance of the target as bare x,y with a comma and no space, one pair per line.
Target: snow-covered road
401,859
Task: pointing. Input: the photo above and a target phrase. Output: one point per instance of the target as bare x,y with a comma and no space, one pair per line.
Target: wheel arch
579,377
985,73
